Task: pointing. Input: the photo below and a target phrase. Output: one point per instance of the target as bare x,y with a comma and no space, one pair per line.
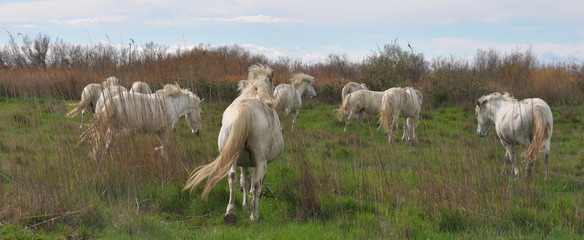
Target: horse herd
251,135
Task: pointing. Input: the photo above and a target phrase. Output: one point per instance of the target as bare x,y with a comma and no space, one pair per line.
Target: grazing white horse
90,96
289,96
359,102
141,87
129,113
404,102
351,87
528,123
250,136
107,94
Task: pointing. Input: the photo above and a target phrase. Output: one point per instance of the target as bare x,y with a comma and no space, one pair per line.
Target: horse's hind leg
407,127
244,182
230,217
256,188
414,128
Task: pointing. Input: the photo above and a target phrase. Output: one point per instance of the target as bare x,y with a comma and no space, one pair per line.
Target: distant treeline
42,67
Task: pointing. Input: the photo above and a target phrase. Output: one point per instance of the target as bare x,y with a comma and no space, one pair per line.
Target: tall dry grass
338,177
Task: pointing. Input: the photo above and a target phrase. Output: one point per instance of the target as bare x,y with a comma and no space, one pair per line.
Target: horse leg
230,217
510,148
256,189
414,128
546,161
349,119
293,120
394,126
82,117
245,185
406,135
360,117
164,136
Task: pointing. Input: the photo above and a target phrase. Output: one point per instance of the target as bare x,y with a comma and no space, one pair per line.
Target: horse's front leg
510,157
245,185
256,188
164,136
294,116
349,119
82,117
230,217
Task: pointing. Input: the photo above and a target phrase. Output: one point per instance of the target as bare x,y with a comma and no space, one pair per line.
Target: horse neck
495,107
181,104
301,88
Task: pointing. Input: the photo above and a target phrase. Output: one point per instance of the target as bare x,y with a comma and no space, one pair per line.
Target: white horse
141,87
129,113
107,94
404,102
90,96
289,96
250,136
357,103
528,123
351,87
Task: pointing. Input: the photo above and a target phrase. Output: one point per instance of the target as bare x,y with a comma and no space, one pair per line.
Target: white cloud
90,21
247,19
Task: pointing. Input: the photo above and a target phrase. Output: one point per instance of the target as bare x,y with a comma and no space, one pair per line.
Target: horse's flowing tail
385,114
78,106
541,132
279,97
218,169
342,111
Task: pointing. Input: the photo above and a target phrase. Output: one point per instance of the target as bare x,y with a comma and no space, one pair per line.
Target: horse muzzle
481,134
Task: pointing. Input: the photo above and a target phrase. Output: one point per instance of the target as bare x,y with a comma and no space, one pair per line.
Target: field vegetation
327,184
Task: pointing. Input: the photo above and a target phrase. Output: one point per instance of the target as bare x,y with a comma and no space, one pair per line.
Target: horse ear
480,104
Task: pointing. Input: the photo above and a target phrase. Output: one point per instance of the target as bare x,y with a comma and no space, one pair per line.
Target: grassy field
328,184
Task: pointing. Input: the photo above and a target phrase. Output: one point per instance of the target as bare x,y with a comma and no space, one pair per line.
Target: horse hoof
230,219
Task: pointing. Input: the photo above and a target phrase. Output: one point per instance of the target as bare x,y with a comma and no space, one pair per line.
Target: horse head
195,115
484,122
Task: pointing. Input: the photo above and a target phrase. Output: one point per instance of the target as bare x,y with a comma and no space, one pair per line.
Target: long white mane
298,78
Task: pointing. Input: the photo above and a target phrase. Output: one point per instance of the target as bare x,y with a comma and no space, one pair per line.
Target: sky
310,30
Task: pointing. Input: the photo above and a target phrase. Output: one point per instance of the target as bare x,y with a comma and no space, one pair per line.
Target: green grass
328,184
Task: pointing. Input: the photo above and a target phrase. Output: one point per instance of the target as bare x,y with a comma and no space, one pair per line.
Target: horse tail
78,106
342,110
541,133
279,97
219,168
386,113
